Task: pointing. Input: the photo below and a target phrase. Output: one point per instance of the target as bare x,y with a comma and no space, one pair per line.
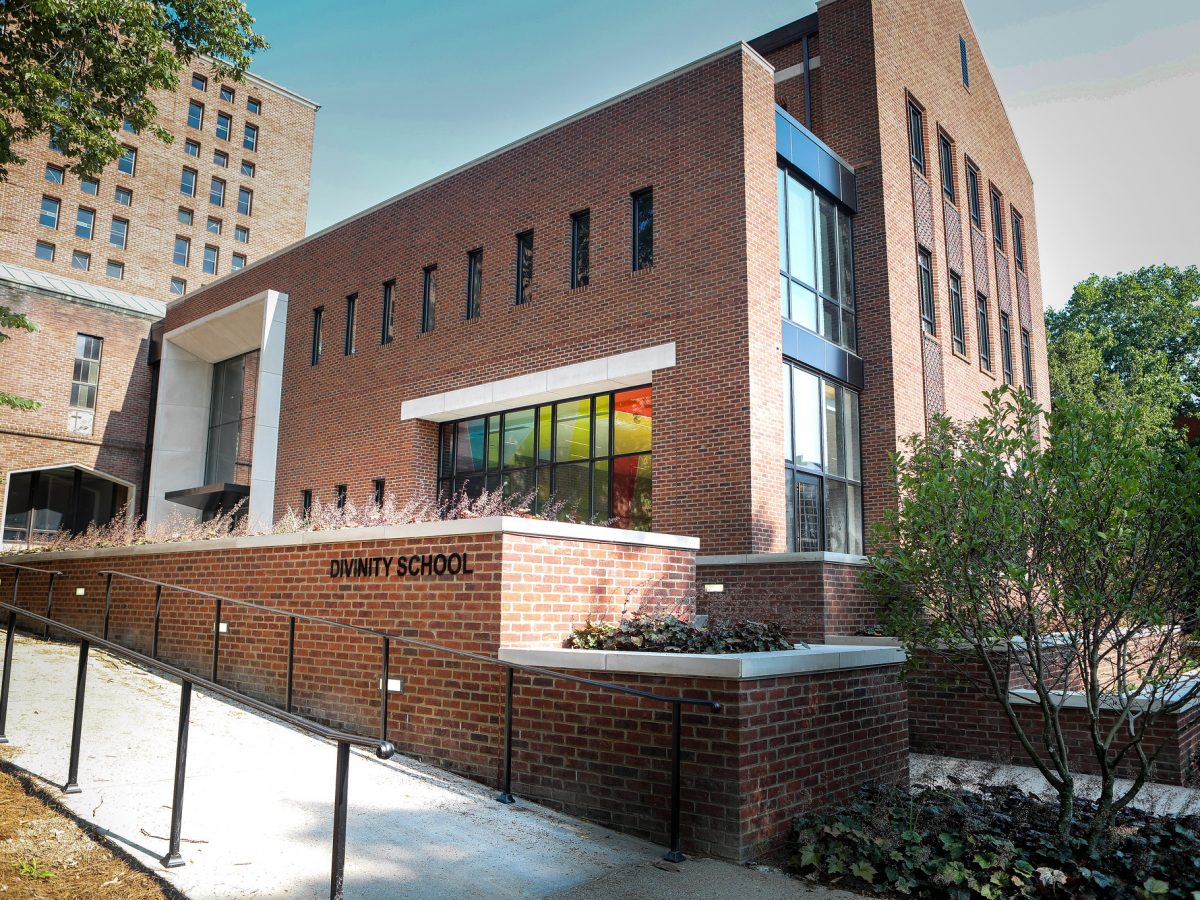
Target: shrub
669,633
1000,842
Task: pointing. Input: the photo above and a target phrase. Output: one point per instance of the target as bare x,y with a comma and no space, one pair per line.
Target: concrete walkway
257,812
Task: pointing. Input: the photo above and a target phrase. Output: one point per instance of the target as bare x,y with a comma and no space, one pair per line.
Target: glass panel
542,497
836,521
446,464
806,423
784,307
571,489
518,485
603,421
518,439
808,514
801,255
545,428
493,443
789,476
471,437
849,330
788,413
831,320
573,426
827,248
835,433
781,193
804,307
850,441
600,503
845,260
634,409
631,488
854,539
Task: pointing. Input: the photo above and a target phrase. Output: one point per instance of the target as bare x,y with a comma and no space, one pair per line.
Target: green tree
75,70
1074,566
11,320
1136,334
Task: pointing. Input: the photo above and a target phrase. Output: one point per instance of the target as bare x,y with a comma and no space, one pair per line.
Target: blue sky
1097,90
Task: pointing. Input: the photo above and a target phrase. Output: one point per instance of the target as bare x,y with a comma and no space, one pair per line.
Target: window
54,174
184,216
85,378
85,221
224,125
592,454
925,284
247,168
221,158
250,137
1006,348
318,345
983,327
43,250
822,464
114,269
90,186
1026,362
306,503
351,315
339,495
916,135
524,266
388,330
183,250
428,299
474,282
962,61
973,194
81,261
195,116
997,220
216,192
245,201
212,258
187,183
238,262
178,287
643,229
126,125
226,93
191,148
199,82
377,488
241,234
214,225
1018,240
118,232
947,159
225,420
49,214
254,106
816,261
957,326
123,196
55,144
581,226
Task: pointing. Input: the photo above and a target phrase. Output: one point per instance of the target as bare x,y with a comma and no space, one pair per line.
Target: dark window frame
973,199
916,135
474,283
1018,238
581,252
78,381
1006,361
964,62
983,326
428,298
351,325
946,161
642,242
958,326
378,486
997,201
306,497
387,332
925,291
318,341
1027,361
524,268
340,496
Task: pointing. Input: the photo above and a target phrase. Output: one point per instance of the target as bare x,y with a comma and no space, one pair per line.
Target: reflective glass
827,248
470,450
801,252
631,488
572,485
572,434
806,398
518,444
633,415
601,429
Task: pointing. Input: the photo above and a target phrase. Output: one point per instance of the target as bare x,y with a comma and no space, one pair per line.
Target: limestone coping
767,559
416,530
1079,700
741,666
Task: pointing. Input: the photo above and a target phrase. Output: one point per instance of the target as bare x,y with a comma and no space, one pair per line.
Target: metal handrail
675,853
382,748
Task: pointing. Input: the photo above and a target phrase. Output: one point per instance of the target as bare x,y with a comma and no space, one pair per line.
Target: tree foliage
1074,566
75,70
1136,334
10,320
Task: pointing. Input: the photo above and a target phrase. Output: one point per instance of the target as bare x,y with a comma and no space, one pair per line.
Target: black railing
344,739
674,854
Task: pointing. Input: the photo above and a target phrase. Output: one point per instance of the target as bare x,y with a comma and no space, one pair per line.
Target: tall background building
94,261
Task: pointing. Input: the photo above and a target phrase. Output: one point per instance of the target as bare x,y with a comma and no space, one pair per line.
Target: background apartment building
94,261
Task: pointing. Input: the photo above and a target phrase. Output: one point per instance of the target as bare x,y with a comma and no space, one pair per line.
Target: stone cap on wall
763,559
800,661
515,525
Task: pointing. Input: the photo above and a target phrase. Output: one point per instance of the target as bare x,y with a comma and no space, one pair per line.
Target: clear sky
1103,94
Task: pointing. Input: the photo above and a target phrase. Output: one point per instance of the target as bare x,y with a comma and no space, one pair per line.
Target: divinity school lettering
417,565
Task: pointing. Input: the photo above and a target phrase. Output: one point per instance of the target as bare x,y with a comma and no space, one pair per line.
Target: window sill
636,273
961,356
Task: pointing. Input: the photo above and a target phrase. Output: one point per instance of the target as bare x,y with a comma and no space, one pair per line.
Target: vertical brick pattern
922,196
1023,307
954,244
935,386
1003,285
980,260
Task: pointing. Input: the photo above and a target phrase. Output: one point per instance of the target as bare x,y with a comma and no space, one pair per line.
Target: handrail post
291,660
674,855
107,604
157,620
340,801
216,654
172,859
383,689
72,785
49,605
505,795
5,678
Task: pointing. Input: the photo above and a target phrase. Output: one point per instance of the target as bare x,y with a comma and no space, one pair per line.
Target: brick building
712,306
93,261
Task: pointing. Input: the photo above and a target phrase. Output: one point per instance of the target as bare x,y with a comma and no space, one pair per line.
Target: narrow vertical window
339,493
1026,362
925,285
581,226
643,229
245,204
962,61
524,266
250,137
946,150
127,161
351,312
253,105
199,82
224,124
85,379
377,488
973,194
216,193
187,183
85,221
428,299
183,250
306,503
317,343
474,282
388,331
195,116
1006,362
118,233
49,214
957,328
997,219
212,258
985,334
1018,240
916,135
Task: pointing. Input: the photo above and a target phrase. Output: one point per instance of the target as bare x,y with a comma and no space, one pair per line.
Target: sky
1103,95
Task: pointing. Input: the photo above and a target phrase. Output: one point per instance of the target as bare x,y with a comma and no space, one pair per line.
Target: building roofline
785,34
270,85
81,292
740,46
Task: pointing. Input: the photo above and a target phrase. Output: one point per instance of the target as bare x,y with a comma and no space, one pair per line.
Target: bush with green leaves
668,633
